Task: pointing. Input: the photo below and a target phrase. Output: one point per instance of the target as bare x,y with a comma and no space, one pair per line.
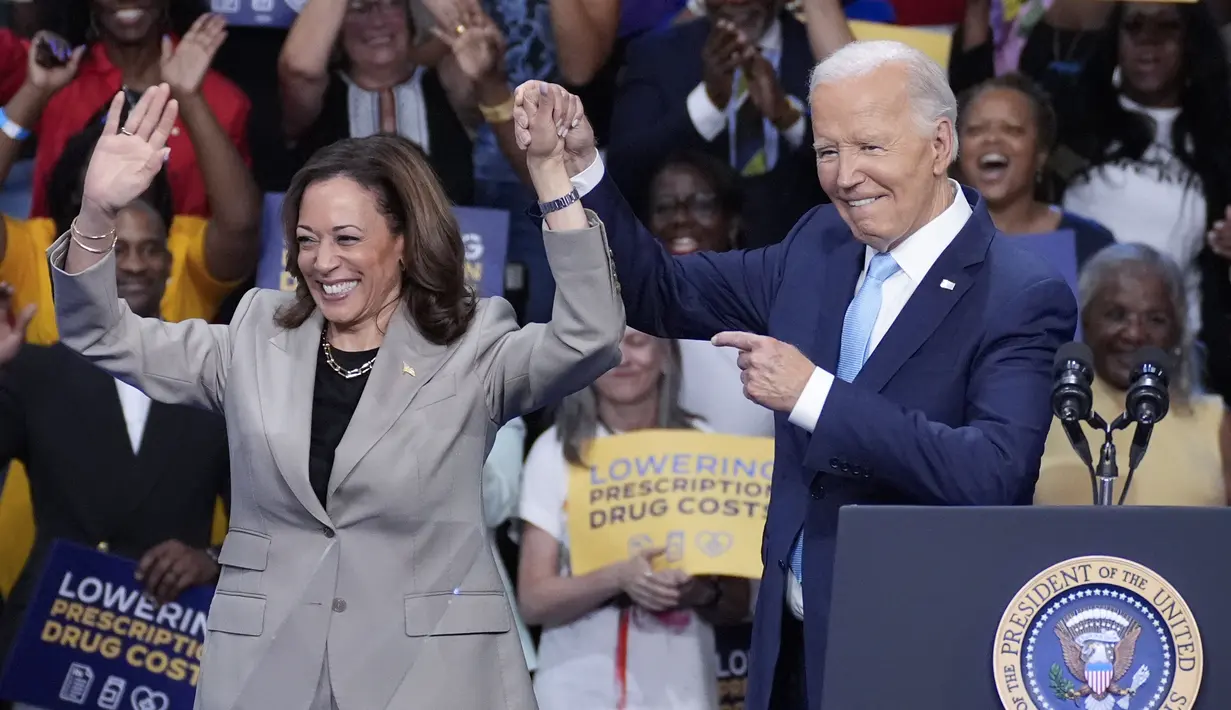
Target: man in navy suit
728,84
910,364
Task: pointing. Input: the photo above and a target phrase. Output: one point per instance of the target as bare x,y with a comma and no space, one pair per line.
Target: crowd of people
1104,121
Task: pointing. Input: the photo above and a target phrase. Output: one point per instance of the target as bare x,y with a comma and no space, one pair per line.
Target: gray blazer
393,583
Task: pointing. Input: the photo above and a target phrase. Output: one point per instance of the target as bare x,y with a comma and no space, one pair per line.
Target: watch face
296,5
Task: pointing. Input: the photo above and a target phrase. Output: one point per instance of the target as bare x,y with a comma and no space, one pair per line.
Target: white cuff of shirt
812,400
795,134
708,119
588,179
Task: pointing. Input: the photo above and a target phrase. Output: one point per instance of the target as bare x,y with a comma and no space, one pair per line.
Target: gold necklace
349,374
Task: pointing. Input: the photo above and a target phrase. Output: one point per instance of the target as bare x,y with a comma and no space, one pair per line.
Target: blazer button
846,467
339,605
833,463
328,532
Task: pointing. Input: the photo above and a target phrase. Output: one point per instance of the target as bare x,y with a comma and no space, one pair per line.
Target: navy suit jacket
952,408
650,121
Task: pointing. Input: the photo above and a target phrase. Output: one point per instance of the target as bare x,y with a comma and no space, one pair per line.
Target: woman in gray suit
357,572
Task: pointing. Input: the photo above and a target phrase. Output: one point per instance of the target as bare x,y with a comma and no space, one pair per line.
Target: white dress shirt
136,407
710,121
915,257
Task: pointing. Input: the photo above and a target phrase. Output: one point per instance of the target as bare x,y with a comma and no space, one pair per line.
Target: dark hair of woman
410,197
717,173
1201,136
67,178
74,20
1040,103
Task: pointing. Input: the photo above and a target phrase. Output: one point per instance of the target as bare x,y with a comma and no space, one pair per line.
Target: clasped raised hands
543,115
573,130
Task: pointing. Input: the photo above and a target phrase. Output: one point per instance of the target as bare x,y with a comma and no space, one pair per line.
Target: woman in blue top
1006,128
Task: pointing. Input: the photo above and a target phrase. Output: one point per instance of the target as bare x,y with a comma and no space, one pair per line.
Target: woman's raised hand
127,157
549,112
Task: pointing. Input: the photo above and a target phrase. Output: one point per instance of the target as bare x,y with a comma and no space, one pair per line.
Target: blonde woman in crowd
624,636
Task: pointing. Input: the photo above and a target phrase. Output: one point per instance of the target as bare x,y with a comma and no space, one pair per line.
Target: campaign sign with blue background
1060,250
90,639
485,234
258,13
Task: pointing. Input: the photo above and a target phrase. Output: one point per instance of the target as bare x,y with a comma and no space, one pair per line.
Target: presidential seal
1097,633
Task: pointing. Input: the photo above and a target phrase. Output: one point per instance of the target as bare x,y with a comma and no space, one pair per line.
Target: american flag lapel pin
947,285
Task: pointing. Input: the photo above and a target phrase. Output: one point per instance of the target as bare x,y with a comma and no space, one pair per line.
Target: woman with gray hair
624,636
1133,297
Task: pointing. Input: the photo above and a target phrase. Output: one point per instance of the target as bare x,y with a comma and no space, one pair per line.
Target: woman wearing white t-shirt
623,637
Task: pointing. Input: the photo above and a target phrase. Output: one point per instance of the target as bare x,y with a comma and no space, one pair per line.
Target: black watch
542,209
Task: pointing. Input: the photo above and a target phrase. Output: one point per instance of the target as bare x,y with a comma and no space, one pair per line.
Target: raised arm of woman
525,368
177,363
303,65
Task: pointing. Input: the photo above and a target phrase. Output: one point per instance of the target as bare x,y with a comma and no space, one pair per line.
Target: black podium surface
919,594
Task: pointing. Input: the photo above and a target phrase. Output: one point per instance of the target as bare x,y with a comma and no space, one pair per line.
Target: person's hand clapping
649,590
184,66
725,49
52,79
1219,236
13,326
766,92
127,158
580,145
477,44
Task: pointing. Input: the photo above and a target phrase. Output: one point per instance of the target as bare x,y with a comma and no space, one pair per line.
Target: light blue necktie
856,333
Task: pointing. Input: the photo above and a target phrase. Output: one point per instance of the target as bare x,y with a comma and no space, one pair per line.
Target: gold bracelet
498,114
77,232
92,250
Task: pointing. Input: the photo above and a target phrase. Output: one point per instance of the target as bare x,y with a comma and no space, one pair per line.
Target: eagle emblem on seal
1097,644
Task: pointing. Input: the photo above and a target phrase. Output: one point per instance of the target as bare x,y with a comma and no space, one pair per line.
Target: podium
936,608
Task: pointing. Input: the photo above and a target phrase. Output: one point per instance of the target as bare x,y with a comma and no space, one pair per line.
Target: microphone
1147,401
1072,374
1071,398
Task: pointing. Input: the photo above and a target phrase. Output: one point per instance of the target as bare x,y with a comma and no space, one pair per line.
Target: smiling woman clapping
356,573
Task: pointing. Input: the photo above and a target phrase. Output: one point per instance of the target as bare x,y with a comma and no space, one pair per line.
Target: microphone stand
1107,471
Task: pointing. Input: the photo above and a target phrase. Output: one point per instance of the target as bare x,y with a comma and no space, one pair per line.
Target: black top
334,400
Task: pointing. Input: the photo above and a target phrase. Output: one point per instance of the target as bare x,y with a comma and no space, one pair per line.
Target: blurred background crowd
1105,120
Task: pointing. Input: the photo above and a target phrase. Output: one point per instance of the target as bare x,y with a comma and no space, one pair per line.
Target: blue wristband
11,129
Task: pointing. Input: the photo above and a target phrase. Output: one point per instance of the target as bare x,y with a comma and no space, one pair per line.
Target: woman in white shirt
624,637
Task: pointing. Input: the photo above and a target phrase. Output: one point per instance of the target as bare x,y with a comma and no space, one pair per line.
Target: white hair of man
931,96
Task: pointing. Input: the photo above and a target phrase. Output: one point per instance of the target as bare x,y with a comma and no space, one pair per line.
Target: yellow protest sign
703,497
934,44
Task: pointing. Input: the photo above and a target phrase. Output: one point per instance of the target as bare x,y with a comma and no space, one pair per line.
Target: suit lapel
390,389
931,301
285,385
842,269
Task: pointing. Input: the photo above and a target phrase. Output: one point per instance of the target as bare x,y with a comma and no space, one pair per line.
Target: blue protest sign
485,234
731,644
258,13
1060,250
89,639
